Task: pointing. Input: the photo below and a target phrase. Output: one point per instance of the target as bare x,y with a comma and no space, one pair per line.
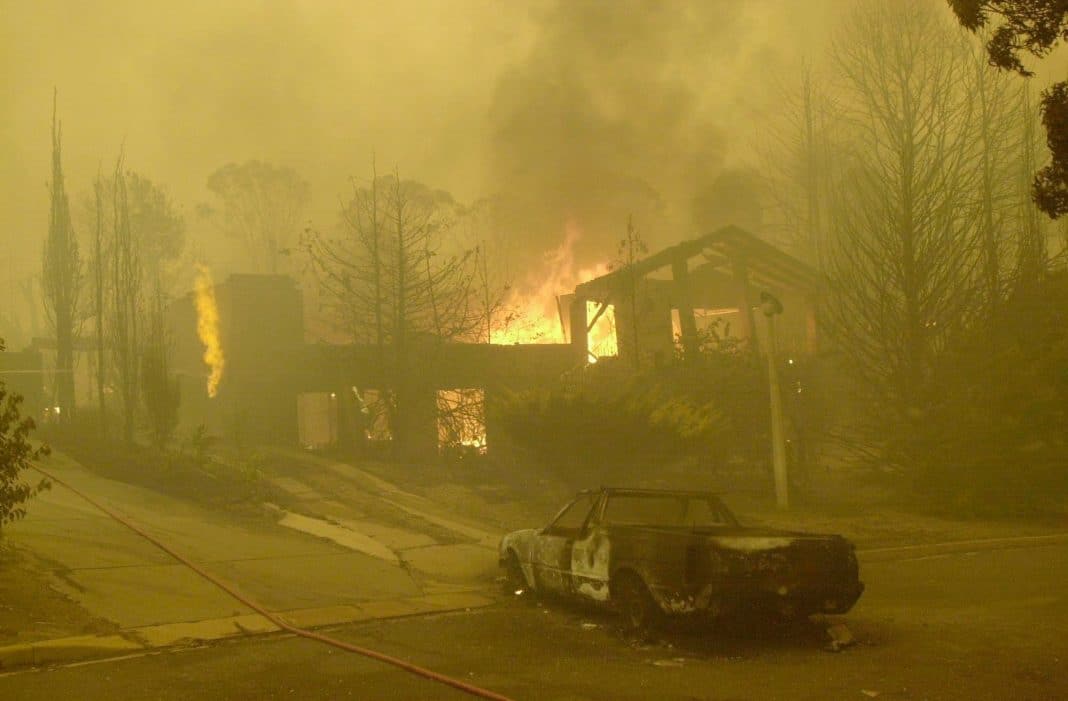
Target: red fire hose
366,652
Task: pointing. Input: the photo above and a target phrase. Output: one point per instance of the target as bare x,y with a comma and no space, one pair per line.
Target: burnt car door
589,558
551,555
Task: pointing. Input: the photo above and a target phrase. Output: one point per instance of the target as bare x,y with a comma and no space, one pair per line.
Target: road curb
169,635
62,650
909,552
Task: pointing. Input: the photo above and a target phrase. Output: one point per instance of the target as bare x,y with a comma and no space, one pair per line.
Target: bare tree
395,279
480,230
61,276
1031,248
802,161
138,239
158,228
99,277
127,309
997,143
632,289
159,388
261,207
904,259
1034,27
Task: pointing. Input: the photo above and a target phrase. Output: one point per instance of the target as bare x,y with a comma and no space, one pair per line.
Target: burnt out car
657,553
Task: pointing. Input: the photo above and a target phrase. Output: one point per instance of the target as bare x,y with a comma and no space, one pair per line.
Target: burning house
245,341
663,303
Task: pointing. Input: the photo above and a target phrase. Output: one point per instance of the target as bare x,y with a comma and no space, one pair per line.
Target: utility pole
772,307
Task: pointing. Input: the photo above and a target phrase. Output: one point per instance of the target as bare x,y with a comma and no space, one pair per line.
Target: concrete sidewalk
311,576
117,575
141,639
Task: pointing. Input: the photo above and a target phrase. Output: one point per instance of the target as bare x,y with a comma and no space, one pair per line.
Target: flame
533,315
462,419
208,327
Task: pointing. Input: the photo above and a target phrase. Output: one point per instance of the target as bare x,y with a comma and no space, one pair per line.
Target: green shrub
16,455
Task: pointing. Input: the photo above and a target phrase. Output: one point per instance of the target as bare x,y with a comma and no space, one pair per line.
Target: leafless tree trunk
1031,250
61,277
159,390
632,289
997,137
802,162
126,302
98,298
903,266
398,282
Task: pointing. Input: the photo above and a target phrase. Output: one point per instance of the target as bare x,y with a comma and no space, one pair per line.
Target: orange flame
533,314
208,327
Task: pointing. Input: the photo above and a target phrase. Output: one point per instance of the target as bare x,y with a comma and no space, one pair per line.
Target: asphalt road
984,625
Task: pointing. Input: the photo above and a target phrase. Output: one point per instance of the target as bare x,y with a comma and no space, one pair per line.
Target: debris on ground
839,637
869,693
590,626
670,662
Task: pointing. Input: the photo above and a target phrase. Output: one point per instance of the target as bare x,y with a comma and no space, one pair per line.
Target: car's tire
640,614
515,583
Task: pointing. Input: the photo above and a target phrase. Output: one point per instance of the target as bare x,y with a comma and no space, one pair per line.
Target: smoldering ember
548,349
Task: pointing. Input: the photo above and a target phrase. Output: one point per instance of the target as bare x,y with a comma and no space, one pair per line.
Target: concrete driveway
118,575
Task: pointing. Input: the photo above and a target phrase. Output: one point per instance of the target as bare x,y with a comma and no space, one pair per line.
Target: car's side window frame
596,513
554,529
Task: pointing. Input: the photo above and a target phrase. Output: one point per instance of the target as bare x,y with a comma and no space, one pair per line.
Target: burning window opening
374,410
462,421
601,342
704,319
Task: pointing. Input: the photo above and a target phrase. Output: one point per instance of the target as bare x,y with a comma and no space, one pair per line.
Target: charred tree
904,263
632,290
396,279
126,307
1031,247
159,388
139,241
997,144
802,164
61,277
99,276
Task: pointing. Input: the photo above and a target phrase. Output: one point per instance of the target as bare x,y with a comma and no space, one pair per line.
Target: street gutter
909,552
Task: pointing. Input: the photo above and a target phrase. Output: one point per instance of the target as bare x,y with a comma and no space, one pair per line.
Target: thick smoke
606,118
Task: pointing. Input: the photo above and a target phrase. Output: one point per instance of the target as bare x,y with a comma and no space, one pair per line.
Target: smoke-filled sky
578,109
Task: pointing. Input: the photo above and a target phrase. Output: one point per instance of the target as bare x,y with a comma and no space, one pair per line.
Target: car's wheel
635,604
514,581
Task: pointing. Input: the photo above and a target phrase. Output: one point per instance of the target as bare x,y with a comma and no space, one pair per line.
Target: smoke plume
606,117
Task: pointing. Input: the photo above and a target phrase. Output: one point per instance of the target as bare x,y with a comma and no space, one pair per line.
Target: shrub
16,455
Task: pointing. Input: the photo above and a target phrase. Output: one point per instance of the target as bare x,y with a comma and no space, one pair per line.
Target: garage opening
317,420
374,409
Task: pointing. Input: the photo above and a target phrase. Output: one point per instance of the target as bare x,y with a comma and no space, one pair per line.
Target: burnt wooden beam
596,316
680,273
746,302
580,334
